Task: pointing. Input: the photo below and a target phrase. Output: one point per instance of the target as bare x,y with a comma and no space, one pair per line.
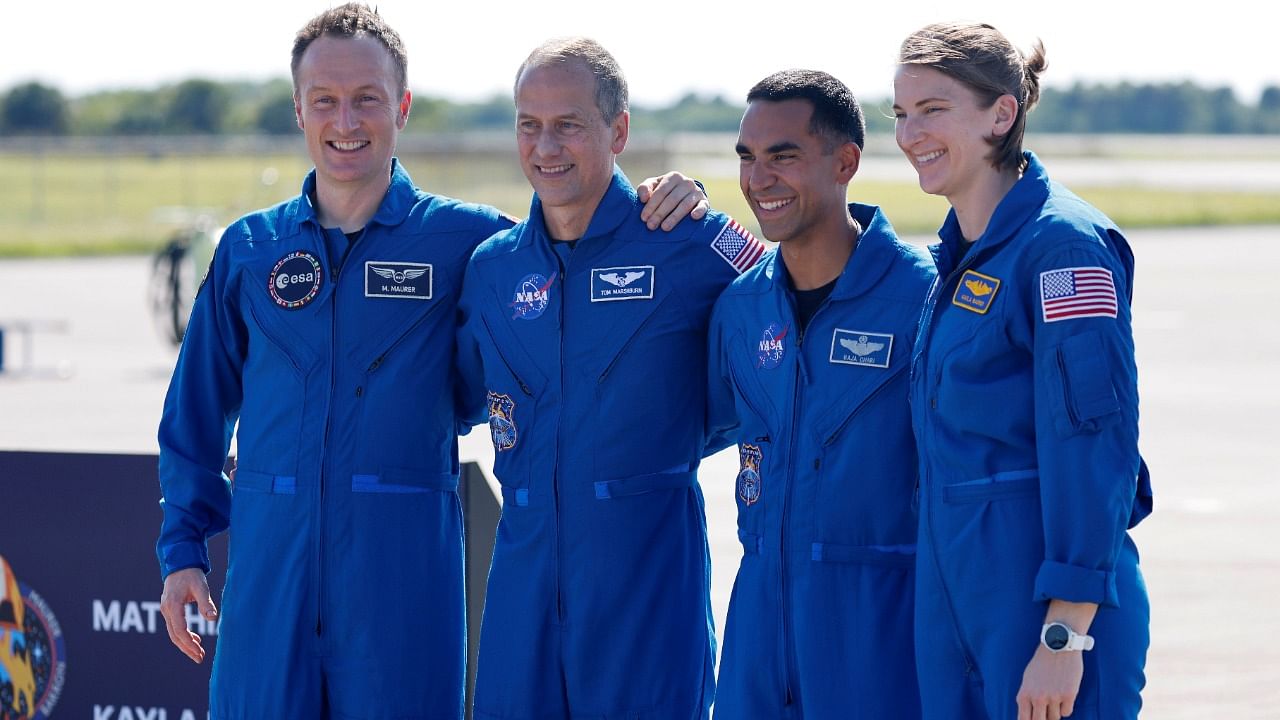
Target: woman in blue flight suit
1024,396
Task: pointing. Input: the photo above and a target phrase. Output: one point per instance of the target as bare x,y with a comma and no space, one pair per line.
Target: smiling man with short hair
586,331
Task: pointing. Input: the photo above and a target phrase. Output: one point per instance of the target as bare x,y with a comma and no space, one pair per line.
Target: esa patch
854,347
502,421
622,283
749,479
389,279
737,246
1079,292
531,296
975,292
295,280
771,348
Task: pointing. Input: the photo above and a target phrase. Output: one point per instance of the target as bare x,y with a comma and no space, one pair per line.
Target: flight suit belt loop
887,556
250,481
637,484
608,489
403,481
515,496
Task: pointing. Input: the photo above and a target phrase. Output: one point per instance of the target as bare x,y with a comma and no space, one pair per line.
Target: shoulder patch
737,246
1067,293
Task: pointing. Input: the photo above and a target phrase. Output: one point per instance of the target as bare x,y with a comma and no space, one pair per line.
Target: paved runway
1208,357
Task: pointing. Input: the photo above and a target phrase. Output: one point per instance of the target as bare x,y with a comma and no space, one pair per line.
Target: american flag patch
1068,293
737,246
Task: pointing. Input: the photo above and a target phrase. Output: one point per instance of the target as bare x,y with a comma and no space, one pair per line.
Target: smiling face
943,130
567,148
793,181
350,108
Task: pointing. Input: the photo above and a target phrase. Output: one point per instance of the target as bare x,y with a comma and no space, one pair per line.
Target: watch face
1056,636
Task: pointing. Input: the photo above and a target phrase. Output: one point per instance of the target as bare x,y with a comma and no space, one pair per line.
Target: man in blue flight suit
326,326
809,356
585,335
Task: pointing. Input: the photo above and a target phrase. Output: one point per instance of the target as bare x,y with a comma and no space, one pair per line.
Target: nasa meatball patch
295,280
390,279
772,347
531,297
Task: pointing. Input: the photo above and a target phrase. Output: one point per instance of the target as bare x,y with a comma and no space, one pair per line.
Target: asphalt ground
1208,345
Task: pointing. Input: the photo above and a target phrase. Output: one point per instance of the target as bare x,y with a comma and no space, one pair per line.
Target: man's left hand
669,198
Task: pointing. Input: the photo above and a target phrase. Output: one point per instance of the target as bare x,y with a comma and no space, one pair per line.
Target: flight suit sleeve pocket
1084,373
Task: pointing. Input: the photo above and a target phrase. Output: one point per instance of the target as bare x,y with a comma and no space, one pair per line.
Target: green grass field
101,204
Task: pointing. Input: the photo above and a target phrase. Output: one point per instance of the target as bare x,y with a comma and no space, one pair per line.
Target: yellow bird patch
976,292
977,287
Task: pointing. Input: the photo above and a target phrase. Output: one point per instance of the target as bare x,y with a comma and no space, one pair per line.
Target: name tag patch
975,292
854,347
622,283
391,279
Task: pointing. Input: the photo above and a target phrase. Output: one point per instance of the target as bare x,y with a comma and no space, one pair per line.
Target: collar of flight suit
869,261
396,203
618,204
1022,201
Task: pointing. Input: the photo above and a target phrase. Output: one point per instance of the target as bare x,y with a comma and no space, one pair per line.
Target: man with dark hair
587,333
326,327
809,358
837,117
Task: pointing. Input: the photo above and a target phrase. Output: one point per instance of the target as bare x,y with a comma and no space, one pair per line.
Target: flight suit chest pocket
403,395
752,382
288,334
508,360
390,322
275,380
631,333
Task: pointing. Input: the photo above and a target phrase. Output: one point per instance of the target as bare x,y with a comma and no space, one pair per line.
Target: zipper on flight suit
324,439
334,268
555,469
788,646
926,332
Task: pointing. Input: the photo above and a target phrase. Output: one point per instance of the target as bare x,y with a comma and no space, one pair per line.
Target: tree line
207,107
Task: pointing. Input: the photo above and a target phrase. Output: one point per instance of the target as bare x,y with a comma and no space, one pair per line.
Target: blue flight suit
591,362
1025,406
820,622
344,589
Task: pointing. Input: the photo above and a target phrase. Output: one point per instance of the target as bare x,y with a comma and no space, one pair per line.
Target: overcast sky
469,50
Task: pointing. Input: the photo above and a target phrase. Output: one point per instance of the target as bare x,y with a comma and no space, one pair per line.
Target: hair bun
1034,65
